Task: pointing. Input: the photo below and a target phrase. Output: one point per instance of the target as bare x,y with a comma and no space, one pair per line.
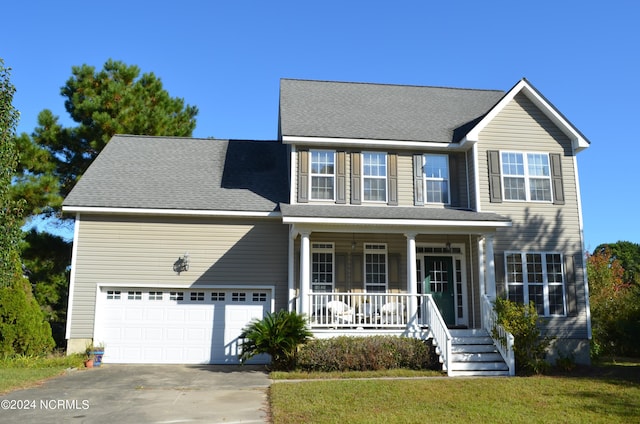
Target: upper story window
537,278
322,175
526,176
374,177
436,176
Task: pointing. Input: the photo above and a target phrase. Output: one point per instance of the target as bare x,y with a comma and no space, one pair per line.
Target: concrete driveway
119,394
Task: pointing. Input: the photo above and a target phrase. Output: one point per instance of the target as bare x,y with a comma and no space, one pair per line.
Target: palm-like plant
279,335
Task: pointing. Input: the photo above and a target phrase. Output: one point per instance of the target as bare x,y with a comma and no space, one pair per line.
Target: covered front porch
409,277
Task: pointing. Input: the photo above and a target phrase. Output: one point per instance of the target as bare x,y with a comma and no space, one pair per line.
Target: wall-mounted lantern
182,264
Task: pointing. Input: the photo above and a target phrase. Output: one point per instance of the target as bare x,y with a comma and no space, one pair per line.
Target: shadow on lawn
623,372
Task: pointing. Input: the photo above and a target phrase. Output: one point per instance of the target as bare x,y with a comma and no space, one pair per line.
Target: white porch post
490,275
305,272
412,277
291,269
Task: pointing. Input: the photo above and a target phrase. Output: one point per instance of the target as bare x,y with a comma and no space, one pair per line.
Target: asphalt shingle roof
379,111
185,173
382,212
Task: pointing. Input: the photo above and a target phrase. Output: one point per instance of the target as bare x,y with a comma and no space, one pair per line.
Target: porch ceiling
403,218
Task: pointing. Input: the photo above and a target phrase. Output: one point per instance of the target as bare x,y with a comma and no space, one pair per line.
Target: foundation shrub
373,353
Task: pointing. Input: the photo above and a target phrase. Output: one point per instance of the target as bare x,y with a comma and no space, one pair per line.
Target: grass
604,393
21,372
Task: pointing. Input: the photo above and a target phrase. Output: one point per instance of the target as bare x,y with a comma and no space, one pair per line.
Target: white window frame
376,248
323,247
441,179
526,176
314,175
545,284
366,177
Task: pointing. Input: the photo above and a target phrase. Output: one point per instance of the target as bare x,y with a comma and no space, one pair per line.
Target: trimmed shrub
23,329
530,348
372,353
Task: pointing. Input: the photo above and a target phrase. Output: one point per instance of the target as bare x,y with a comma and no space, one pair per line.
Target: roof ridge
392,85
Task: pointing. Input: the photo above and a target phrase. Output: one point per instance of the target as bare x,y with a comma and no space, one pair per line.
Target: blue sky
227,58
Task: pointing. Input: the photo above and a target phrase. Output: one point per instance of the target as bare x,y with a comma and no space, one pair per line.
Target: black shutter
418,181
355,179
570,286
501,284
454,185
303,176
392,179
341,178
556,178
495,186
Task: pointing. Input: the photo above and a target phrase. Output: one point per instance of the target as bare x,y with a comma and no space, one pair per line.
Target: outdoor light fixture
182,264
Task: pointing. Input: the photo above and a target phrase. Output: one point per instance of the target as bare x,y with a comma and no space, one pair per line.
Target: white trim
582,244
331,250
545,279
578,141
367,142
396,222
425,179
368,249
332,175
169,212
526,176
190,287
385,178
476,175
293,176
72,276
464,320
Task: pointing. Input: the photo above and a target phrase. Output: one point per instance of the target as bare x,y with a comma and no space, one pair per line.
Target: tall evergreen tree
114,100
23,329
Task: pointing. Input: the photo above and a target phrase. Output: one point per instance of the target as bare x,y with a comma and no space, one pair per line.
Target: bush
373,353
23,329
530,348
278,335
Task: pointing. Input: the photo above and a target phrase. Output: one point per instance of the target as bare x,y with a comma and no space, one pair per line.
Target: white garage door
159,326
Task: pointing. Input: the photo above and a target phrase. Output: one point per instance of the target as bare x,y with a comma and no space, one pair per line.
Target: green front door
439,283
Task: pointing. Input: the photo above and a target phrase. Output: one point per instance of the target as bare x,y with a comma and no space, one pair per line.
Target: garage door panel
154,328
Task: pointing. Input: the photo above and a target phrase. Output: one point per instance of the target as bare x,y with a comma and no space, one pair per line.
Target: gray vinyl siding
537,227
141,251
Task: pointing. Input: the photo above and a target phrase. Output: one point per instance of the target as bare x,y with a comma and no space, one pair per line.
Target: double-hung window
322,267
537,278
322,174
526,176
375,267
436,176
374,174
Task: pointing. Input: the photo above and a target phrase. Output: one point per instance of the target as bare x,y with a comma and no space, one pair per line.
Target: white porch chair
392,313
340,312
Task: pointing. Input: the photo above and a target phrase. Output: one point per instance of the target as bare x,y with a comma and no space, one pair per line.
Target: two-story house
380,209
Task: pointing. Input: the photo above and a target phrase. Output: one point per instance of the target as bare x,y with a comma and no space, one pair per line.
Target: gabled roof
174,173
523,86
379,111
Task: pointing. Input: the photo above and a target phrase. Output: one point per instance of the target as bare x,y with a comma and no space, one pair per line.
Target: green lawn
22,372
602,394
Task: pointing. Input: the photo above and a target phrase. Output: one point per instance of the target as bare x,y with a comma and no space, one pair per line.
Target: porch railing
502,338
348,310
381,312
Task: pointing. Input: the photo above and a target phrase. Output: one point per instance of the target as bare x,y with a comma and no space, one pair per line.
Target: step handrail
439,331
503,339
